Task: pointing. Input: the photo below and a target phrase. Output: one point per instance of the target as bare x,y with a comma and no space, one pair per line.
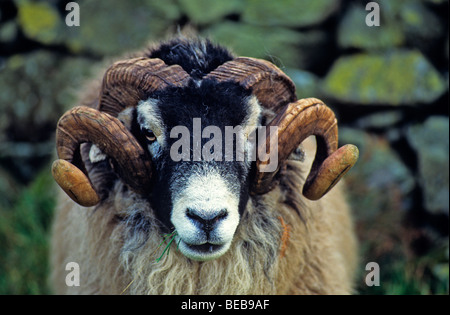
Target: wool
284,243
118,242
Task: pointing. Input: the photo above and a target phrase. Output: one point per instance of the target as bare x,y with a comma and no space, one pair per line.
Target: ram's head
164,131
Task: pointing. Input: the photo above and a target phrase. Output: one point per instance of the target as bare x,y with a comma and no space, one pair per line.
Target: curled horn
83,124
124,84
295,121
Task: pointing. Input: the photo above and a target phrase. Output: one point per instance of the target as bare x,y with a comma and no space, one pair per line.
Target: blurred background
388,86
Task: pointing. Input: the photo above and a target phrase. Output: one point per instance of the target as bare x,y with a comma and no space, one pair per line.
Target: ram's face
169,141
201,183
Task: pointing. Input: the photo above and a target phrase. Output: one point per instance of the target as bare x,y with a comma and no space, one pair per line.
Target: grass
410,278
171,238
425,275
24,238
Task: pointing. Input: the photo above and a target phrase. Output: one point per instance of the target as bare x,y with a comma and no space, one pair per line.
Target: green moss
209,11
353,31
276,44
39,20
400,22
396,78
412,16
291,13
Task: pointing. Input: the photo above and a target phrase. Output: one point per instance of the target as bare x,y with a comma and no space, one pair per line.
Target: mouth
207,248
202,252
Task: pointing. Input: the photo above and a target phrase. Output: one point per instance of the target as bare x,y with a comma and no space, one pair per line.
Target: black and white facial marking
201,199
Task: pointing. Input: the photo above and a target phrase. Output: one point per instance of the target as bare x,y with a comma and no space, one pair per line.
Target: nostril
207,219
191,214
222,214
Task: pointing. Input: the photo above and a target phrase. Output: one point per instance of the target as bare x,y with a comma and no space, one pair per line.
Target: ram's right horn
125,83
83,124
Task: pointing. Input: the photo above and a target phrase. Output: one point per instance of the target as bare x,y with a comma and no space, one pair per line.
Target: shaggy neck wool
284,244
250,265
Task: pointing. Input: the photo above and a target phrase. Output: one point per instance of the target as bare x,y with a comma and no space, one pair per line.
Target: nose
206,219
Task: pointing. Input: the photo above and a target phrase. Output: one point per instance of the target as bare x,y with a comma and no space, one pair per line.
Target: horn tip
331,172
74,183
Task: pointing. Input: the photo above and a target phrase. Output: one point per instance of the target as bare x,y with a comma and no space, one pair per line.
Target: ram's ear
96,155
99,169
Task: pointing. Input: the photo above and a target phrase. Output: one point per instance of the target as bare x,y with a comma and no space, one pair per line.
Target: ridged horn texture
296,120
295,123
83,124
125,83
269,84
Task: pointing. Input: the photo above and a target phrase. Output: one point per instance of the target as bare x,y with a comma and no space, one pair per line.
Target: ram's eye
149,135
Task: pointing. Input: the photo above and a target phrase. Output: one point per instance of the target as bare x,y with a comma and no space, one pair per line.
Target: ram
235,209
